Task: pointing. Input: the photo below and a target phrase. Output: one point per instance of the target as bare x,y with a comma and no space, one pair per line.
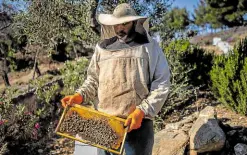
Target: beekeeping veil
122,13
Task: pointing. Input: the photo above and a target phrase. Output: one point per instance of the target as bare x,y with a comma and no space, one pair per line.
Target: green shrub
229,78
25,124
189,67
21,130
203,62
181,91
74,74
193,57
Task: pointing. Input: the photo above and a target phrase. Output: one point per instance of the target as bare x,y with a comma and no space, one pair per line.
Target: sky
189,4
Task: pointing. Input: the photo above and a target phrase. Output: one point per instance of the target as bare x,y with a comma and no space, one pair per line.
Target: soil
64,146
225,115
23,77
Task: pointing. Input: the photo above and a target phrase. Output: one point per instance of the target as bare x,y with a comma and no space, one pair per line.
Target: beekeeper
129,75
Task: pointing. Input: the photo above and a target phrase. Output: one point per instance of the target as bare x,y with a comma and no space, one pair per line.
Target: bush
74,74
26,126
203,62
190,67
18,129
193,57
181,91
28,122
229,78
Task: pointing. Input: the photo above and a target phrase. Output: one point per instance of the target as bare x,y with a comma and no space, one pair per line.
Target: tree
177,18
47,25
174,21
199,14
232,11
221,13
204,15
229,78
154,9
5,40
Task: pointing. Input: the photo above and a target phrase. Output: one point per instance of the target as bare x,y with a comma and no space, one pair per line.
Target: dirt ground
224,114
64,146
24,77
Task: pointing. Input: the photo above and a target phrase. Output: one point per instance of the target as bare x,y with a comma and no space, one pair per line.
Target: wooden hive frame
115,122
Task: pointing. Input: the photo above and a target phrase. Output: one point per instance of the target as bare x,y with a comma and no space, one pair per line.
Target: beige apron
123,80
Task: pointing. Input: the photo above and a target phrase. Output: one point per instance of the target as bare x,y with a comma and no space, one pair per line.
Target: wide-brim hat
122,13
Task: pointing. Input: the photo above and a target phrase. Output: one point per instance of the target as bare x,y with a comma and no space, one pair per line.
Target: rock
193,152
205,134
167,142
178,125
237,127
216,40
208,112
187,127
244,131
224,46
240,149
40,151
225,127
231,133
244,139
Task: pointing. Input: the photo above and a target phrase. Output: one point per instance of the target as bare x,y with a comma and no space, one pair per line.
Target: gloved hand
72,99
135,119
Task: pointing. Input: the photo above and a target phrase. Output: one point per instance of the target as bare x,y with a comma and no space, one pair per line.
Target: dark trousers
138,142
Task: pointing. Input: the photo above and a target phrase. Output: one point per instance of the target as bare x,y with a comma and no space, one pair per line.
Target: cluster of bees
96,131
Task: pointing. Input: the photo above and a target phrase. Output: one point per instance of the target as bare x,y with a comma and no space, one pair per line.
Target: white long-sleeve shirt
129,78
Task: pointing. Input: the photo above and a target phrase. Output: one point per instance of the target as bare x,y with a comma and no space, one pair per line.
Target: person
129,75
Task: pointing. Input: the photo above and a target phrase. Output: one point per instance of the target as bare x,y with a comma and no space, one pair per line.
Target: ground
64,146
22,77
232,36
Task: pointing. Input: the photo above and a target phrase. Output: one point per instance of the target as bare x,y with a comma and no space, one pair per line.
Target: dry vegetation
232,36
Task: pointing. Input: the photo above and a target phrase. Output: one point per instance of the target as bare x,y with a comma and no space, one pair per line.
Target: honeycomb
95,130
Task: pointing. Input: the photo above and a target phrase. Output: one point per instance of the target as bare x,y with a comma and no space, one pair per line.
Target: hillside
232,36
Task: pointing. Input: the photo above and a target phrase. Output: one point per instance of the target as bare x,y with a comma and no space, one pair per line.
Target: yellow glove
135,119
72,99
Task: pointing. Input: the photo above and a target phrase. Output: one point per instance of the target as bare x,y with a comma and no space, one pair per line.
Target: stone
167,142
187,127
205,134
216,40
231,133
224,46
240,149
180,124
40,151
244,139
193,152
208,112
